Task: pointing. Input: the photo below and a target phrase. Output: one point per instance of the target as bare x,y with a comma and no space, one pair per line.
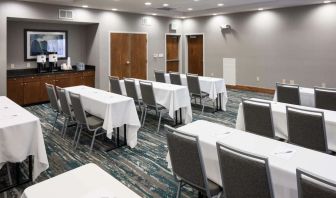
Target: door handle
128,62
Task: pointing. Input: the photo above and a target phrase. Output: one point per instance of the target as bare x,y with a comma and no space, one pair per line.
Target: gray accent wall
296,43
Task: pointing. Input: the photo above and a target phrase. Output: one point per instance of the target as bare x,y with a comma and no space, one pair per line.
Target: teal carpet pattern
142,169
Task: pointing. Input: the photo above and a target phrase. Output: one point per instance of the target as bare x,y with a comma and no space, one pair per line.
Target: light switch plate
283,81
161,55
292,82
155,55
12,66
28,65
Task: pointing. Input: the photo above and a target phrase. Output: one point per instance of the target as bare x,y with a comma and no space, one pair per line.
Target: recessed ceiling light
214,14
114,9
196,0
190,9
326,1
148,3
220,4
165,5
260,9
154,14
85,6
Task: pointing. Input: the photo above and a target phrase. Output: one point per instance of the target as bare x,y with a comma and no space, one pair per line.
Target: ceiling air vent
65,14
166,8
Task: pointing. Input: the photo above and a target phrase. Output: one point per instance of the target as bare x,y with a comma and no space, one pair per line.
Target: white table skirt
210,85
280,121
282,166
172,97
114,109
88,181
307,97
21,136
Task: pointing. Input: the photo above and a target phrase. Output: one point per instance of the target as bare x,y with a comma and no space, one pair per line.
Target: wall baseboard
251,88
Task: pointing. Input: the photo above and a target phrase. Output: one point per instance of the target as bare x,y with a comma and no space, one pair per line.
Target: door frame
186,62
180,50
122,32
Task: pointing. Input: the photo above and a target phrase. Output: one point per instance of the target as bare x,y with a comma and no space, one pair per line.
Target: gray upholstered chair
54,102
312,186
306,128
131,92
243,174
92,123
325,98
160,76
65,109
187,162
288,93
195,90
115,85
149,102
175,78
258,118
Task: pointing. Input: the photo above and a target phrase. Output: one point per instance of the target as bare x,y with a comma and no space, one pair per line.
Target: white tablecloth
172,97
88,181
280,121
282,166
21,136
210,85
307,97
114,109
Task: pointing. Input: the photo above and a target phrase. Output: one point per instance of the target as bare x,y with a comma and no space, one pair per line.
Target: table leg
125,138
118,136
181,116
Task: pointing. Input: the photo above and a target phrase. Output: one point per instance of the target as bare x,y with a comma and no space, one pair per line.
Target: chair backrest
312,186
186,158
325,98
193,84
147,93
52,97
131,90
244,175
175,78
258,117
288,93
160,76
306,128
78,108
115,85
65,107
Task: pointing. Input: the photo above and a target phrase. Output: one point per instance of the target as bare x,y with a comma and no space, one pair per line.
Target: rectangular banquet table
21,136
215,87
114,109
172,97
88,181
307,97
282,163
280,121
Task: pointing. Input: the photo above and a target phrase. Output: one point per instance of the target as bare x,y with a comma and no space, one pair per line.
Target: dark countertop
33,72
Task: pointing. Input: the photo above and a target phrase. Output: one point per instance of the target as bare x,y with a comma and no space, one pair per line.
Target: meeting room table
283,158
87,181
280,121
307,97
21,138
215,87
116,110
175,98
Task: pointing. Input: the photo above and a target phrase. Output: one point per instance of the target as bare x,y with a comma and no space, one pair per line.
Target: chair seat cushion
203,95
214,188
94,122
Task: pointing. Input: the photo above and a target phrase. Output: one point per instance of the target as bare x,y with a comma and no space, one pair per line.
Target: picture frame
37,42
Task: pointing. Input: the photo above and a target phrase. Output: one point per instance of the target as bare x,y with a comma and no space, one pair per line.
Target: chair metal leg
64,123
65,126
178,193
202,103
93,139
158,128
144,117
9,174
55,122
79,134
74,140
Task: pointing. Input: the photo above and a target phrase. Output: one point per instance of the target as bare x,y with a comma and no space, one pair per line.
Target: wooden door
76,79
15,90
120,55
172,49
31,90
195,54
128,55
138,50
89,78
63,80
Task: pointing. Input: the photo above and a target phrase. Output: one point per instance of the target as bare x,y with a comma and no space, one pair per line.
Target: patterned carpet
143,169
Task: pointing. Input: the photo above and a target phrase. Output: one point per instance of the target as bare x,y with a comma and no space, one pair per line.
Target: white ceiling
180,7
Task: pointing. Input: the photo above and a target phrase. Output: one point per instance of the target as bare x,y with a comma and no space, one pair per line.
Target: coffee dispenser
53,58
42,64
